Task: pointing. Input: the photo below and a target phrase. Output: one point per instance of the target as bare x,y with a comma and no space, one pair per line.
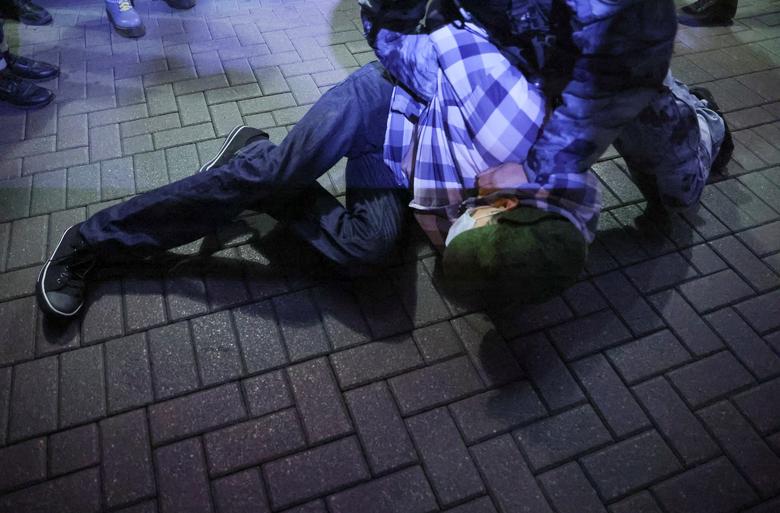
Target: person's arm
622,50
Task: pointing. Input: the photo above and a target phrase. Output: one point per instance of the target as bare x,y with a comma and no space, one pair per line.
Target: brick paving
254,380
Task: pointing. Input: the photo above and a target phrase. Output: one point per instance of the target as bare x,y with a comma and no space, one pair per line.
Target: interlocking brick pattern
256,380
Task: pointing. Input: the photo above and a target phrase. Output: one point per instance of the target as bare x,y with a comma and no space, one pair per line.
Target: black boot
25,11
61,283
710,12
655,215
29,68
181,4
21,92
718,169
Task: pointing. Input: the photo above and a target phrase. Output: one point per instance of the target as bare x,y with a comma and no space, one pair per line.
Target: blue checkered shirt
482,112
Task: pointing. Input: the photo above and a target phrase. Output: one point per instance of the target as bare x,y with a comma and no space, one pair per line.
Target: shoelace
125,5
72,277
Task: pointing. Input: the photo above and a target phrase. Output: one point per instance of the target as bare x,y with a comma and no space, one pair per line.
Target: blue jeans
347,121
674,139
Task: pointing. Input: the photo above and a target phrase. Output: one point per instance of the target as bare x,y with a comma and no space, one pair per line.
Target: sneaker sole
228,141
43,301
131,32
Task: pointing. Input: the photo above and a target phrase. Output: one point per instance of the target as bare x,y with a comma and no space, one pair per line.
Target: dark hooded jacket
599,62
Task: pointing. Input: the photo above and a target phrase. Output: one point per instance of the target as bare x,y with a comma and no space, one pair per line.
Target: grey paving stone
144,302
629,304
528,318
34,399
481,505
104,143
269,102
128,374
734,217
379,426
127,462
259,337
380,305
767,507
172,360
117,115
74,449
375,360
216,348
186,295
225,116
647,356
760,311
182,161
487,349
710,378
586,335
715,487
193,109
418,294
149,125
182,483
253,442
407,491
437,342
117,179
584,298
715,290
630,465
570,491
72,132
705,223
447,461
137,144
435,385
5,401
17,322
508,479
746,263
763,239
744,447
341,316
759,405
267,393
547,372
160,100
746,200
315,472
28,242
144,507
195,413
48,192
610,396
694,333
24,463
150,170
618,241
15,198
49,161
748,347
561,437
301,326
660,273
82,386
83,185
704,259
641,502
319,401
74,493
102,318
241,493
497,411
681,429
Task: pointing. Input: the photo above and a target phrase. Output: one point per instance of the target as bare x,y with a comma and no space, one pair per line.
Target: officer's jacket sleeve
622,52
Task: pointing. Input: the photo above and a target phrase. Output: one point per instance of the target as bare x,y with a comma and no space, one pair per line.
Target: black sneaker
727,146
22,92
60,286
25,11
709,12
239,137
181,4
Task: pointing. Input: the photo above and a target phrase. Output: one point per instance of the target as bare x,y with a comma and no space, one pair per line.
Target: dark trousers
347,121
